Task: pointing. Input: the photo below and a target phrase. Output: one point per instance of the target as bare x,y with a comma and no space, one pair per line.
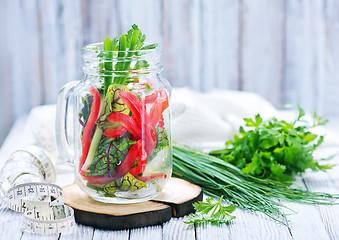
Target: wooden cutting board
175,200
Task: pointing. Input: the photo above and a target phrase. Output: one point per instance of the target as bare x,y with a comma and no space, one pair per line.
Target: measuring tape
43,207
39,158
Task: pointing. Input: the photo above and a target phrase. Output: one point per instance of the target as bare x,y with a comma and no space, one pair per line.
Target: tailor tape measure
43,207
38,157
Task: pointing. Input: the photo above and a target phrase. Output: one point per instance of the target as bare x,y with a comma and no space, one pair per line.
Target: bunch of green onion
218,178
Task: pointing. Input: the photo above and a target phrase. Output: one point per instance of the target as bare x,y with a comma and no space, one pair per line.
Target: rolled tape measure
43,207
38,157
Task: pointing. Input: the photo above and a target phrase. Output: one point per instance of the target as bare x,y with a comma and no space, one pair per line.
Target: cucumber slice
158,161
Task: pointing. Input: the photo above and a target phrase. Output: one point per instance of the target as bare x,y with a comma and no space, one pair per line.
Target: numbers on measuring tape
30,190
43,207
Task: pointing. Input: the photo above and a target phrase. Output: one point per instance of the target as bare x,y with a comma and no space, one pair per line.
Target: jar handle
63,140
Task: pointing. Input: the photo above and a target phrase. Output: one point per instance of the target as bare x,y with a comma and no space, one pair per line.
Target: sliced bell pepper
152,97
126,165
161,122
115,133
86,137
128,122
159,106
99,180
142,162
132,102
142,118
152,176
149,139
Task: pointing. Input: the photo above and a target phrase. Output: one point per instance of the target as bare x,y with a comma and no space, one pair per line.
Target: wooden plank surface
60,44
109,235
5,93
330,99
99,20
23,55
219,44
285,51
304,54
262,48
177,229
181,42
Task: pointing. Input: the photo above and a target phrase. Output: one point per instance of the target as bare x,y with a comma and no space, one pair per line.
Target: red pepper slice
160,104
149,139
86,137
152,176
161,122
115,133
132,102
142,118
128,122
126,165
152,97
99,180
142,162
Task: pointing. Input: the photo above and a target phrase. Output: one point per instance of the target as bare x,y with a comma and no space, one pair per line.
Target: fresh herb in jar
128,46
122,123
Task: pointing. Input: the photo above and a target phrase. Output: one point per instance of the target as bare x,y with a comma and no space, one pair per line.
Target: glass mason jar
122,150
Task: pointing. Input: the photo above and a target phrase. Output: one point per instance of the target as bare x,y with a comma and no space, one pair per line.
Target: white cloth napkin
207,120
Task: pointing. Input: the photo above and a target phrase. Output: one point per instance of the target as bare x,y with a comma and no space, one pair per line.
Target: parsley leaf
275,149
211,211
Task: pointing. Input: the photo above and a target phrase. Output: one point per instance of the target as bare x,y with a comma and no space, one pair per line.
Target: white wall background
284,50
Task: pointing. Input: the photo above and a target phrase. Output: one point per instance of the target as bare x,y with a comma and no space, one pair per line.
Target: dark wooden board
175,200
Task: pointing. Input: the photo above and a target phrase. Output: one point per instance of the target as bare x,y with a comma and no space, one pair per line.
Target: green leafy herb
125,183
112,103
109,155
141,64
148,88
218,178
161,137
211,211
150,46
275,149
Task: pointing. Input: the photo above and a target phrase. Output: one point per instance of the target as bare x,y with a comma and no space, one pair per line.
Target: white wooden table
311,222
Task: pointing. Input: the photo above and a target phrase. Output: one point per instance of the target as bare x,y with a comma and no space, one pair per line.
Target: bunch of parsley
275,149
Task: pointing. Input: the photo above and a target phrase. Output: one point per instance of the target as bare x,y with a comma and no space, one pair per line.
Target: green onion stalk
219,178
